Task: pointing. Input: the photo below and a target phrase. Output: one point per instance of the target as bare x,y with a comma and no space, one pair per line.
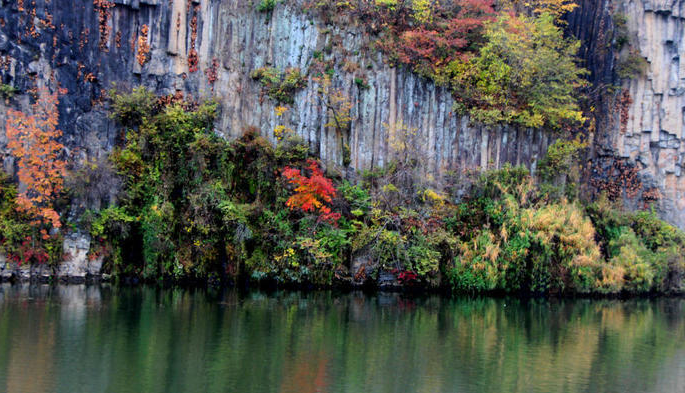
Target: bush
631,65
20,239
195,205
266,6
280,86
621,36
7,92
130,109
644,253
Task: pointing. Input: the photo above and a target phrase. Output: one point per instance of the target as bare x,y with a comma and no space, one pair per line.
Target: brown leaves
102,7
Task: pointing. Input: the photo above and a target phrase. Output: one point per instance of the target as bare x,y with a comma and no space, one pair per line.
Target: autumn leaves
33,140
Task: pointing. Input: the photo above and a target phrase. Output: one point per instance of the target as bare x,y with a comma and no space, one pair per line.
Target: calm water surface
105,339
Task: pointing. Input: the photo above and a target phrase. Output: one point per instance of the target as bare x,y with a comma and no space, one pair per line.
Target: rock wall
638,142
651,130
239,39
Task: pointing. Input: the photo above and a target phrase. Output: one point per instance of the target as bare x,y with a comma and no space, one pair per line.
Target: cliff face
231,39
638,142
651,130
88,45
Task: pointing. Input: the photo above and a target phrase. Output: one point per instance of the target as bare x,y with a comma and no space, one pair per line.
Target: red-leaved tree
312,193
33,141
452,31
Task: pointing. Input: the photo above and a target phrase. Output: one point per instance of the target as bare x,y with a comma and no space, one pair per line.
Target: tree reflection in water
114,339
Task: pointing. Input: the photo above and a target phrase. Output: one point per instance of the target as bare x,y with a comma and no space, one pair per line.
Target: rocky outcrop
76,268
207,50
77,265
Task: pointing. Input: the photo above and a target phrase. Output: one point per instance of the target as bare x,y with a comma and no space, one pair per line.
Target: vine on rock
616,178
143,46
103,8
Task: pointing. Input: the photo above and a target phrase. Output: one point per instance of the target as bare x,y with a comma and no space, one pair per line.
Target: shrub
266,6
565,250
631,260
280,86
130,109
621,36
644,252
631,65
7,92
22,241
313,193
559,169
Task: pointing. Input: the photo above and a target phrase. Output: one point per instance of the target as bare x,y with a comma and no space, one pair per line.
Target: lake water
111,339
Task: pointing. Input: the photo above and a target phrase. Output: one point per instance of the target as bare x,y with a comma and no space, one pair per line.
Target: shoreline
413,291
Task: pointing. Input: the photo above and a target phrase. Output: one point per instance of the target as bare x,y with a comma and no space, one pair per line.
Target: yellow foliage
556,8
433,197
280,110
338,105
565,223
422,10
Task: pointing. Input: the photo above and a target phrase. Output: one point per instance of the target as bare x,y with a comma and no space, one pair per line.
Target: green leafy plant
266,6
526,73
280,86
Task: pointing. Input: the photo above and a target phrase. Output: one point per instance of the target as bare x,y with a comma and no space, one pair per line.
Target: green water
104,339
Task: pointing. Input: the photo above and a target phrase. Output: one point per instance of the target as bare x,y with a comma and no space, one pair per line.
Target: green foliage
559,170
195,205
7,92
508,62
621,36
631,65
20,241
266,6
280,85
361,83
131,109
526,73
512,241
559,158
644,253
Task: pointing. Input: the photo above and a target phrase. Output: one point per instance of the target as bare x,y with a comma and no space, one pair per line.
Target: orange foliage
312,193
102,7
33,141
143,46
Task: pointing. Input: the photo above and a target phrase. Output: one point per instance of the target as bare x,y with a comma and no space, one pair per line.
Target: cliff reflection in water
110,339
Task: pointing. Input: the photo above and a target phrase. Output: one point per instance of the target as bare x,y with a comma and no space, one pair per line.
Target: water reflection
109,339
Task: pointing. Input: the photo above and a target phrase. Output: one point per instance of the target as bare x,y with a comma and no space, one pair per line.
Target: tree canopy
526,73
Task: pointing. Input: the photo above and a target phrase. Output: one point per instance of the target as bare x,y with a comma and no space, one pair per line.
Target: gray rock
77,265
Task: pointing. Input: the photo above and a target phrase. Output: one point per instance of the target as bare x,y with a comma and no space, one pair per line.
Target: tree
526,73
443,33
312,193
556,8
33,141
